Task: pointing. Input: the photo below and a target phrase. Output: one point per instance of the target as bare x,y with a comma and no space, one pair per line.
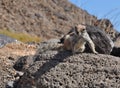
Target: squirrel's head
80,28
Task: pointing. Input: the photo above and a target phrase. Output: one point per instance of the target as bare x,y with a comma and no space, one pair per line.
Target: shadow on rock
51,63
116,51
42,63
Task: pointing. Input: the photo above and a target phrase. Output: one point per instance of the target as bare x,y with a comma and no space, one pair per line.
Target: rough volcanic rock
103,43
116,51
23,63
116,48
47,46
108,27
62,70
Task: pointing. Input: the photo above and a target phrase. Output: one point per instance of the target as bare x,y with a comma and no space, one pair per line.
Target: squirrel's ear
61,40
76,30
75,27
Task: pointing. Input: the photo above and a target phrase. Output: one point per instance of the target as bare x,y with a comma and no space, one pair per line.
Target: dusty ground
8,55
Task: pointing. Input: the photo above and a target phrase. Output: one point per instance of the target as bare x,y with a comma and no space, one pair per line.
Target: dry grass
21,36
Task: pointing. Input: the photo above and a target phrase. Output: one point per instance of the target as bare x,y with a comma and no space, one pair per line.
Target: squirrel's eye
83,29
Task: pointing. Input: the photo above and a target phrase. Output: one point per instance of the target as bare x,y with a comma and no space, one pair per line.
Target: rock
5,39
103,43
10,84
107,26
52,44
116,51
63,70
23,63
53,41
116,48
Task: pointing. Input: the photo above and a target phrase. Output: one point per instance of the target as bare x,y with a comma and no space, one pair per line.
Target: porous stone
103,43
64,70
